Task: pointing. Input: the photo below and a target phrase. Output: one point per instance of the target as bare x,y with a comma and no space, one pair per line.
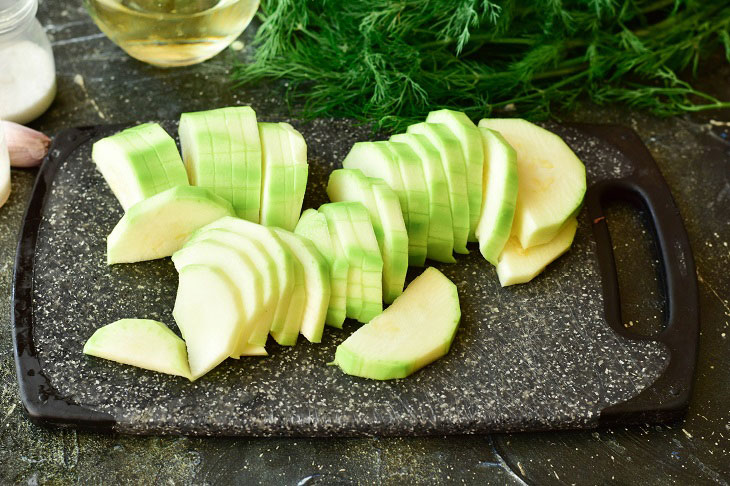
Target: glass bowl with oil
172,32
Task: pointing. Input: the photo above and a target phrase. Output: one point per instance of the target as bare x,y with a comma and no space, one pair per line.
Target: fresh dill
388,62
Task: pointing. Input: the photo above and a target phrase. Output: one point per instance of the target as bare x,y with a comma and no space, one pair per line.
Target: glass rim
178,16
17,15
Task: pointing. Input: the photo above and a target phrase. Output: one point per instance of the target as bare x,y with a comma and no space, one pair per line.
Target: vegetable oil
172,32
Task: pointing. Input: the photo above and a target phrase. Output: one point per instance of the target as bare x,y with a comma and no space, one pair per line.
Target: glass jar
27,69
4,168
172,32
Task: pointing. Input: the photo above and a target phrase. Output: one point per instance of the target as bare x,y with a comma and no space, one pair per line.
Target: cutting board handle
668,397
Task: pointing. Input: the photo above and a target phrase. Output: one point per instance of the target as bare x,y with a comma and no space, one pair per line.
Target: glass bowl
172,32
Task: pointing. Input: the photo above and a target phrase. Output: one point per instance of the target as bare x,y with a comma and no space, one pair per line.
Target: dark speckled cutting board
549,354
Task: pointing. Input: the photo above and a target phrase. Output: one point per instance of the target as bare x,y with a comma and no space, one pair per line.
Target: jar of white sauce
27,69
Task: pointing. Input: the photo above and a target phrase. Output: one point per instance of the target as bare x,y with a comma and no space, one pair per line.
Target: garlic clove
26,146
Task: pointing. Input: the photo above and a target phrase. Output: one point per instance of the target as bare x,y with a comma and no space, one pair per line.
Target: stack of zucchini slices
231,165
228,212
510,185
239,280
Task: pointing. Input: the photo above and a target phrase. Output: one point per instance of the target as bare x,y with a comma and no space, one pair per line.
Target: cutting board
551,354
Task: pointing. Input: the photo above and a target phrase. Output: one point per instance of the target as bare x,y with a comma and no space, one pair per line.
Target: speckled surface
550,360
693,153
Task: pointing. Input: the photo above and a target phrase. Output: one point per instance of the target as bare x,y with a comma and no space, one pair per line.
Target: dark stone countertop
98,83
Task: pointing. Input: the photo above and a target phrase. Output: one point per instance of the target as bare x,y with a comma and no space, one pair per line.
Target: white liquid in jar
27,81
4,169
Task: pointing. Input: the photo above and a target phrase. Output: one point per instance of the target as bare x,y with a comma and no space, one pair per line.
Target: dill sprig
388,62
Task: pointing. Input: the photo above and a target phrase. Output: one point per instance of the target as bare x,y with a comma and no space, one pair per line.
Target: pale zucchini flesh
440,229
316,284
344,235
274,182
452,160
500,187
207,312
313,226
244,276
287,334
277,176
268,270
471,145
414,184
295,145
395,240
372,263
139,162
281,256
222,152
551,179
353,185
158,226
375,159
143,343
519,265
386,219
415,330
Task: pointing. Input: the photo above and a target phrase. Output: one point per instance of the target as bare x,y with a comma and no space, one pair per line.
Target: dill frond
389,62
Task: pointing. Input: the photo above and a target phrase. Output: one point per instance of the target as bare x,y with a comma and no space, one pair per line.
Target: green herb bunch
390,62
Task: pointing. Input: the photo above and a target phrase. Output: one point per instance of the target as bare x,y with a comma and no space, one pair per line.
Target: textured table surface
98,83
